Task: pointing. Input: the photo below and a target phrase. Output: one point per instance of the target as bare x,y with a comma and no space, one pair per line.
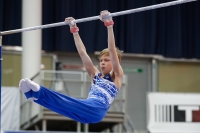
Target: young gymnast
104,88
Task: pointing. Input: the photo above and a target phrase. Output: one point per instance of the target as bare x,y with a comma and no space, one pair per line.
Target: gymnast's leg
84,111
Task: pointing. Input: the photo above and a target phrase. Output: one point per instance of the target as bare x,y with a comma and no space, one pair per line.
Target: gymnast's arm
117,69
113,54
87,62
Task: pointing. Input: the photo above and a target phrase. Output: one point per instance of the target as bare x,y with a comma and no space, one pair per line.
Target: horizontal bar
152,7
97,17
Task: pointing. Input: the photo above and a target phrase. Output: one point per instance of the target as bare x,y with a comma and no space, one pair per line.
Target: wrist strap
74,29
109,23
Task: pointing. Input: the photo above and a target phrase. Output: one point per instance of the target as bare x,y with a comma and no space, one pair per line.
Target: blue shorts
82,110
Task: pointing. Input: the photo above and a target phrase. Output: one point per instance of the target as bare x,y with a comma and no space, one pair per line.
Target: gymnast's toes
23,86
34,86
25,89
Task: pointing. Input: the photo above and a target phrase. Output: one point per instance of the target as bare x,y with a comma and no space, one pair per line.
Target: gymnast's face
105,64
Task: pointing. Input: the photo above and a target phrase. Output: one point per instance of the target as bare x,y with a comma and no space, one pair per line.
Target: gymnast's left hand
69,21
104,16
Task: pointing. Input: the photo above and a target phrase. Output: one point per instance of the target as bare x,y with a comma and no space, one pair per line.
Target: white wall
10,108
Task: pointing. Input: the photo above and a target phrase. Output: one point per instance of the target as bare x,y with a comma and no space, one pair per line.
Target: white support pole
44,125
154,75
31,41
120,128
86,128
108,130
78,128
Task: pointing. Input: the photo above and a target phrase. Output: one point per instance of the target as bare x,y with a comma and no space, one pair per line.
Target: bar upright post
1,72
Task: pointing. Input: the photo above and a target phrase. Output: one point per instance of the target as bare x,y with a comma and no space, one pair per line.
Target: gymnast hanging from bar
104,88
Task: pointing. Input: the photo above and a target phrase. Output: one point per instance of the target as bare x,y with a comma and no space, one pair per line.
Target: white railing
173,112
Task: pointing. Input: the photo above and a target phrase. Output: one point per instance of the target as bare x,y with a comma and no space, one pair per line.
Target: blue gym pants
83,110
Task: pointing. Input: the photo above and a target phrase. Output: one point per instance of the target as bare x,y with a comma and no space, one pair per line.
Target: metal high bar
97,17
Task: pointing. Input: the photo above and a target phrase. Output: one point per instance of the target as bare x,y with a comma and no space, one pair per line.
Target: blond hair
106,51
